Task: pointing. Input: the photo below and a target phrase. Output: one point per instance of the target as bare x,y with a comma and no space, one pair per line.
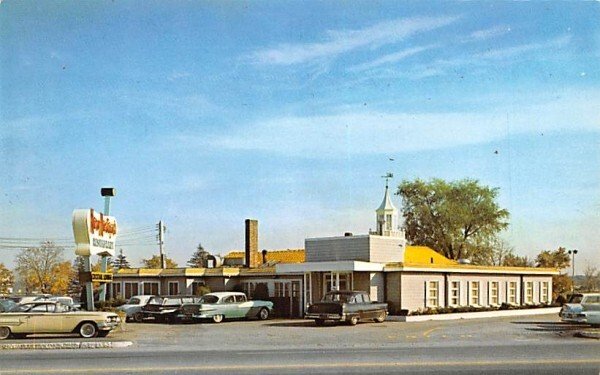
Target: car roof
223,294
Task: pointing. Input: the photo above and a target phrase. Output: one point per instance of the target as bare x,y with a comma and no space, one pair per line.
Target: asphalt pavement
539,344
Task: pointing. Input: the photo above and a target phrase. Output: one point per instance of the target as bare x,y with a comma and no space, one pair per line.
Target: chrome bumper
107,326
325,316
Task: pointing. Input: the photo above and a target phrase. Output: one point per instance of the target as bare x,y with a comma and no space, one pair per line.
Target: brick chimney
252,254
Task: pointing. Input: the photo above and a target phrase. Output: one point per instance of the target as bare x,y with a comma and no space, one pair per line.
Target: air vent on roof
348,234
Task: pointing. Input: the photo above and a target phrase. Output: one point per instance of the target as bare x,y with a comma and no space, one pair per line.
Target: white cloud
492,32
392,58
359,133
342,41
503,53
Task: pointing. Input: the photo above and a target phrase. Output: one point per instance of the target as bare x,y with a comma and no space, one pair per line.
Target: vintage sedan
166,308
347,306
225,305
54,317
571,312
133,307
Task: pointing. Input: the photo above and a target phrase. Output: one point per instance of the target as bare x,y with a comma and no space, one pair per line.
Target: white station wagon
54,317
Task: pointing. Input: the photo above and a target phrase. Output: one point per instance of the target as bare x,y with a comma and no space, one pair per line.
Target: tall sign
95,234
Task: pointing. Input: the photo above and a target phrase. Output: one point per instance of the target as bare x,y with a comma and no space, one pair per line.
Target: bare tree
591,278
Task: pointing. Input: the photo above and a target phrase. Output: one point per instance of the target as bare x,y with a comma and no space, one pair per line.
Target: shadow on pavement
299,324
552,326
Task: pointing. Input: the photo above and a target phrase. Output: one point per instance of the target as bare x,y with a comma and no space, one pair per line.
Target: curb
474,315
67,345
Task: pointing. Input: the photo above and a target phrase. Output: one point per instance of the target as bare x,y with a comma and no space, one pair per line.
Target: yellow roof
424,255
275,256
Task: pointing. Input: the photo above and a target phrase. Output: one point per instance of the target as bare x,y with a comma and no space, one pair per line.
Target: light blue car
226,305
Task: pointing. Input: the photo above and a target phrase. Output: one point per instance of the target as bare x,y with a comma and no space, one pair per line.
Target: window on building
544,297
196,287
150,288
433,294
131,289
474,293
455,293
388,222
512,292
279,289
337,281
173,288
494,293
529,292
116,290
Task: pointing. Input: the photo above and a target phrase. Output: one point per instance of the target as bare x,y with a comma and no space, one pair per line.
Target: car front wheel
88,330
217,318
353,320
138,317
263,314
4,333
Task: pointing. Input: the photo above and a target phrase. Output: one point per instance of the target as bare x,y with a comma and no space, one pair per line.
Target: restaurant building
381,263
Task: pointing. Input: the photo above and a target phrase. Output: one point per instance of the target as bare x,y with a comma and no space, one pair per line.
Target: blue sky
203,114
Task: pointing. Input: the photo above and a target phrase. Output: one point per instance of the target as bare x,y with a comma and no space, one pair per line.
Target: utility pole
161,233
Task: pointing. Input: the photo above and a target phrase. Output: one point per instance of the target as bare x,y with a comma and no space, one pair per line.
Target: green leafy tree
199,258
6,279
559,258
453,218
553,259
512,260
154,262
42,268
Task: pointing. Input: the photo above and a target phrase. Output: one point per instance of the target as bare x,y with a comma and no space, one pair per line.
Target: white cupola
387,215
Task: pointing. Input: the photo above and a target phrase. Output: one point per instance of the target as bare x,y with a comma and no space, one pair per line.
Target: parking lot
538,344
281,333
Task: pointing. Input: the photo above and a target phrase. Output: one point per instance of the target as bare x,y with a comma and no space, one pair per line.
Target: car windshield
134,301
575,298
156,301
6,305
337,297
209,299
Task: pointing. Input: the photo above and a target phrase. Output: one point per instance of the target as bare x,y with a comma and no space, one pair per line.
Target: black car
166,308
347,306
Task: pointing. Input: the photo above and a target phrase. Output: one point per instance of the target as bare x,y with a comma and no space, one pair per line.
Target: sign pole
89,289
107,193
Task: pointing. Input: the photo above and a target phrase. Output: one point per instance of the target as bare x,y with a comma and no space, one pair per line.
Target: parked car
6,305
133,307
54,317
347,306
592,318
571,312
166,308
225,305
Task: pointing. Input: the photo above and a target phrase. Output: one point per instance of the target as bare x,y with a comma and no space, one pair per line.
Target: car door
228,307
245,308
44,320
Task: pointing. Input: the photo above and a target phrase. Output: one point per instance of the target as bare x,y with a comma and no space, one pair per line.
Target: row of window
474,293
127,289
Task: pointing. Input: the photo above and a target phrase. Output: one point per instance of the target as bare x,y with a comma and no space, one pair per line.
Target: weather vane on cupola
387,177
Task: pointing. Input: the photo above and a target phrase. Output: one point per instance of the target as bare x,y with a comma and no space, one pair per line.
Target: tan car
54,317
